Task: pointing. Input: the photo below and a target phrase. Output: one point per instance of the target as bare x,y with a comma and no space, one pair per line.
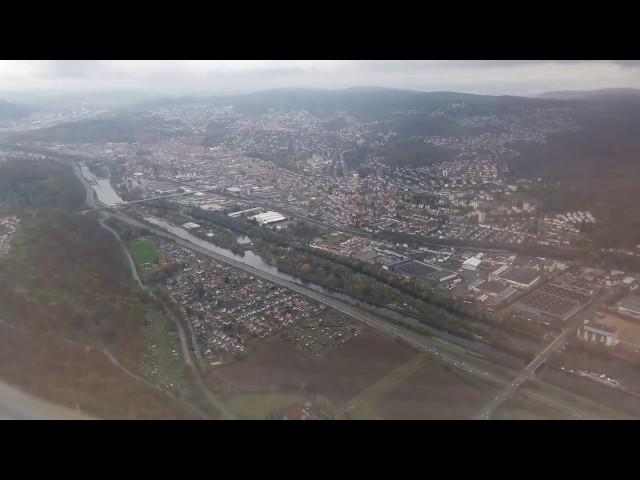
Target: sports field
144,251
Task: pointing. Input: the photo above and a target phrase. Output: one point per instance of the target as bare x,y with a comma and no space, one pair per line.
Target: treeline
404,285
402,154
370,289
413,154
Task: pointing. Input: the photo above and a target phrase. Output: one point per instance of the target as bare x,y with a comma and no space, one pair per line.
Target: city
320,256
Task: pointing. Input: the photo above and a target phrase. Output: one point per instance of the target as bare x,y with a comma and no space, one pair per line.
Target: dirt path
383,386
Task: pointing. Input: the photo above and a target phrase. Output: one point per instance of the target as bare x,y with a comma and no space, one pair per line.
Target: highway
558,343
524,375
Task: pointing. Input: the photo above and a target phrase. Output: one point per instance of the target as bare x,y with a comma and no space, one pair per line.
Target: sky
212,77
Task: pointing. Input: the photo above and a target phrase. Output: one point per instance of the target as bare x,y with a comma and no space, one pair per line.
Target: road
127,253
524,375
570,328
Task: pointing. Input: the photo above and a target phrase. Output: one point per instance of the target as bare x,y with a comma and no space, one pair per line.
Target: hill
367,103
27,184
13,111
121,128
601,94
370,103
598,167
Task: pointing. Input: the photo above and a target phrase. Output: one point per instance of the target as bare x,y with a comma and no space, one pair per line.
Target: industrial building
495,289
422,271
240,213
212,207
268,218
598,333
191,226
556,301
521,278
629,305
472,263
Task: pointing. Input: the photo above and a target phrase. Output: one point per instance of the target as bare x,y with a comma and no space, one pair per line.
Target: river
249,257
102,187
255,261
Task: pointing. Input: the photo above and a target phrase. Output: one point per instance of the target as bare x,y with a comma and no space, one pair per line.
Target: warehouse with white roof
269,217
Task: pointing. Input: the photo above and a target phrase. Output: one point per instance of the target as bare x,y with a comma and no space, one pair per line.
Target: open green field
144,251
259,406
164,362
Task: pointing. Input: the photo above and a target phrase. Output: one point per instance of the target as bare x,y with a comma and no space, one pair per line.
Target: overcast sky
197,77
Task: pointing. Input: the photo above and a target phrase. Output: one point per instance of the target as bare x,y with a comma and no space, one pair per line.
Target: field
144,251
164,362
260,406
338,376
371,377
435,392
520,407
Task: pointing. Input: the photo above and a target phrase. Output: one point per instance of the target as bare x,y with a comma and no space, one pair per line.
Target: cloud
519,77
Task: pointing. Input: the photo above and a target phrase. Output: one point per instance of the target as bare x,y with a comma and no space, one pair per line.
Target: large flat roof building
519,277
599,333
471,263
630,305
497,290
269,217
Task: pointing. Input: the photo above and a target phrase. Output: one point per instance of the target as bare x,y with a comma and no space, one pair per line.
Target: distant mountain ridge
368,103
601,94
13,111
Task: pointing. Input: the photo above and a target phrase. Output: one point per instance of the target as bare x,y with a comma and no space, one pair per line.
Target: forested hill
122,128
598,166
602,94
369,103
